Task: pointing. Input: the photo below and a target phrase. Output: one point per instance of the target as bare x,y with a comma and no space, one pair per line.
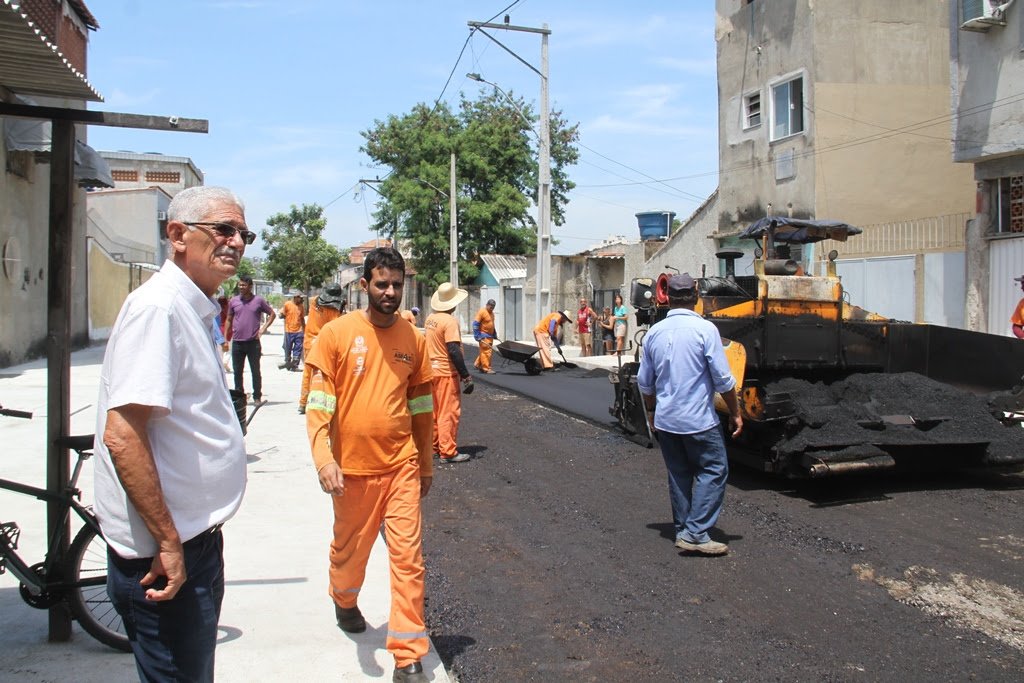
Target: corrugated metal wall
1006,261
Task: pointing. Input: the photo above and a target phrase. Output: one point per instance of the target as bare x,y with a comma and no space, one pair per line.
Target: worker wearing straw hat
444,344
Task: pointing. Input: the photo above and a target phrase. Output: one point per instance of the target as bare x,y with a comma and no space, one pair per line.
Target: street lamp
544,157
480,79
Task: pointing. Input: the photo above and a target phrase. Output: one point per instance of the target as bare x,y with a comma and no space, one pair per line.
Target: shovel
571,366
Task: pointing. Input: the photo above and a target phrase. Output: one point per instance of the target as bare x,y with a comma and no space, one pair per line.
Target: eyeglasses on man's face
226,231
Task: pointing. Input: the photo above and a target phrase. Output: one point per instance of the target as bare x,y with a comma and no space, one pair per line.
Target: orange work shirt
292,317
315,321
441,328
545,323
408,315
486,320
371,372
1018,314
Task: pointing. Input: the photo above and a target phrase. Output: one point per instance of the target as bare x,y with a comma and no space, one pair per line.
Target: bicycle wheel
87,561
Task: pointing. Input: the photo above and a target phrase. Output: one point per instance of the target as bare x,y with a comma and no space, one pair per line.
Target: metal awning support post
58,352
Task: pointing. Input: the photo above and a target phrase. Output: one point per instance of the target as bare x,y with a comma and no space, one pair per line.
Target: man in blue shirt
682,366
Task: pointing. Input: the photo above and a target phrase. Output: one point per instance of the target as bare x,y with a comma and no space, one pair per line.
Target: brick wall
53,18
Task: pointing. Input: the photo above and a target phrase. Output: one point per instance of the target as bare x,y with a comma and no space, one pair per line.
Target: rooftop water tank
655,224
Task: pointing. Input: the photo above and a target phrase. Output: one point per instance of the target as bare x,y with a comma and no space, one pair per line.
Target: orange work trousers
483,360
447,410
394,500
543,340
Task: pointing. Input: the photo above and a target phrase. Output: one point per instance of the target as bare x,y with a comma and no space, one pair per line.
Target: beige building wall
24,249
110,283
865,174
875,145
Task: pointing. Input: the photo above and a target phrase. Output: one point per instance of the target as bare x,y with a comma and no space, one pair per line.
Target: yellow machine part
736,355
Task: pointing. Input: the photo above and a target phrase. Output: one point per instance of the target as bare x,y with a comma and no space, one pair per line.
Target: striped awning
31,64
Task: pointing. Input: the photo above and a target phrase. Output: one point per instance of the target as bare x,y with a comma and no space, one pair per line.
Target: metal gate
512,318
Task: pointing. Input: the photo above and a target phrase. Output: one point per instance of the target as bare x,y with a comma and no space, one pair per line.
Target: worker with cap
549,331
444,346
294,314
682,365
483,332
322,310
411,315
1017,319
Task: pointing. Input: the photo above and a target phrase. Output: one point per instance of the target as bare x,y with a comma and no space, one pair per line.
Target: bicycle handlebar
15,413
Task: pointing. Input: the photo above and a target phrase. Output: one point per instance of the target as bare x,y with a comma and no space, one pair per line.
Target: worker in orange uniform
1017,319
483,332
294,315
369,422
549,331
411,315
322,310
444,344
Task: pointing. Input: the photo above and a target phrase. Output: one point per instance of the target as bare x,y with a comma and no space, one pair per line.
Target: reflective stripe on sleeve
421,404
322,401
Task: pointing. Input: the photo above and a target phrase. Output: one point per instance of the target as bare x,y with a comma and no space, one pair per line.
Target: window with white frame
787,108
752,110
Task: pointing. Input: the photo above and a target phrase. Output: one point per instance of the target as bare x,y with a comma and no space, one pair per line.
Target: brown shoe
350,619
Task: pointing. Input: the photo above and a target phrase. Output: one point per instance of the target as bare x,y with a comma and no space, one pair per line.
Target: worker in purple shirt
245,327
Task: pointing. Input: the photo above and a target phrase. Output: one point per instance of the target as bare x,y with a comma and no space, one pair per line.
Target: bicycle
82,580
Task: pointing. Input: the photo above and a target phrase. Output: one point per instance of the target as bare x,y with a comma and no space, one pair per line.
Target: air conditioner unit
161,215
979,15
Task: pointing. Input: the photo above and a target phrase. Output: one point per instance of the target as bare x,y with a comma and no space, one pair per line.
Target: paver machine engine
826,387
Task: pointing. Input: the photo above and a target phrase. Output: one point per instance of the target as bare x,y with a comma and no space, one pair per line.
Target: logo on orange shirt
360,366
403,357
359,345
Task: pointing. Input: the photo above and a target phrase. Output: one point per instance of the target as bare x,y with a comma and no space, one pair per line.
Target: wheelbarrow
518,352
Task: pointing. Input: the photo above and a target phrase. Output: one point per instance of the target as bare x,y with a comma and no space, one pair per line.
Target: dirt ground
550,558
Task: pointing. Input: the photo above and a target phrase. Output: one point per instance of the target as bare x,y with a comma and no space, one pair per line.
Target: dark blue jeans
292,347
697,471
251,350
172,640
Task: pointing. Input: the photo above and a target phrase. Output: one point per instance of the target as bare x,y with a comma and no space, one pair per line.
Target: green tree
496,179
297,256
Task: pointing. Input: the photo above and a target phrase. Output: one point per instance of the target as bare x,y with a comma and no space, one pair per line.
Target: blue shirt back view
682,364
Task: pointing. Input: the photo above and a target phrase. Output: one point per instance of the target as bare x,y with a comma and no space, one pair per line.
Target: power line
908,129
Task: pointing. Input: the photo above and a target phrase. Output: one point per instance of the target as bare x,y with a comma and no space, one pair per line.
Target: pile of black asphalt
550,557
896,411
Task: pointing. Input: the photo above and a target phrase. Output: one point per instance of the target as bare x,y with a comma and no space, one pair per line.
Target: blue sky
288,85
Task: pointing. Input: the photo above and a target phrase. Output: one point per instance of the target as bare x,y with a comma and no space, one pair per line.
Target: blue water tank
655,224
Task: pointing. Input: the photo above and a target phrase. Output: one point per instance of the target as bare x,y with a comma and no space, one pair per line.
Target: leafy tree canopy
297,256
496,179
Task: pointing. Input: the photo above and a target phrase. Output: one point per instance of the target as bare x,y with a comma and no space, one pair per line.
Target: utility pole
543,277
453,235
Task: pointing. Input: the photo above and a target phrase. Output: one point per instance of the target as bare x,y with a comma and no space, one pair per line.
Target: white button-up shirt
161,354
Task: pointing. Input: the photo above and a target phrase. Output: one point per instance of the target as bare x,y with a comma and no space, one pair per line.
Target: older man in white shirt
170,464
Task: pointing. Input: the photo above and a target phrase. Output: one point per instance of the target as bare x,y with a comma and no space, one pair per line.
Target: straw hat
447,297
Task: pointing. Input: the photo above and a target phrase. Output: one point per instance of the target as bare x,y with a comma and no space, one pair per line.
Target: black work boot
350,619
412,673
